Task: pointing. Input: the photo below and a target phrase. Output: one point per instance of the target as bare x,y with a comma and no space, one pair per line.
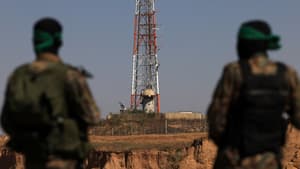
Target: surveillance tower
145,84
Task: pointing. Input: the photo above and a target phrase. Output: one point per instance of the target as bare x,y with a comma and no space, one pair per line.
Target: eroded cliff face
196,155
191,157
199,155
9,159
291,150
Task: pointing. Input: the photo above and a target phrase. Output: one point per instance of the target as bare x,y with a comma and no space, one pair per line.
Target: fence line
148,126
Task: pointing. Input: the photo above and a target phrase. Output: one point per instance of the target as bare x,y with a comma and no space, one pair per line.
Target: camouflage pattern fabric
227,91
51,163
229,159
82,112
81,97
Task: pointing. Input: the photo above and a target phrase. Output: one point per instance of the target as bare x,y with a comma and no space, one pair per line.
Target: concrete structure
184,115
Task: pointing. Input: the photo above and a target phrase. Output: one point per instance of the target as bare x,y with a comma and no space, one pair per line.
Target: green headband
250,33
46,39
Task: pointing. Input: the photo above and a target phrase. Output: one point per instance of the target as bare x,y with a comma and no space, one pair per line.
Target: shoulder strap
245,68
81,70
281,68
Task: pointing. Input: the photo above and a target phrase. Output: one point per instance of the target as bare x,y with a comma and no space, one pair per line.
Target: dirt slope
181,151
292,150
178,151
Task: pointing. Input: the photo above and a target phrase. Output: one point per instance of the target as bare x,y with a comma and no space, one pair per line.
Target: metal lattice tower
144,60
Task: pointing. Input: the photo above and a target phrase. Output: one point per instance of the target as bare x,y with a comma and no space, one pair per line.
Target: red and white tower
145,84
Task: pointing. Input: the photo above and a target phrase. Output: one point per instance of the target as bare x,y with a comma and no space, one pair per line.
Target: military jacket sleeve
7,119
81,99
294,101
5,115
224,93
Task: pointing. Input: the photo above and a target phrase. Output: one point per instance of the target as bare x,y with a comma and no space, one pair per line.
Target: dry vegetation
161,142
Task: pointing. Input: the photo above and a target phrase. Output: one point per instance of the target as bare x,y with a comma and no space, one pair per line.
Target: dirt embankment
180,158
183,151
180,151
291,150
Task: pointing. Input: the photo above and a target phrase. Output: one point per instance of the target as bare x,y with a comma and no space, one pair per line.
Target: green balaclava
47,36
256,37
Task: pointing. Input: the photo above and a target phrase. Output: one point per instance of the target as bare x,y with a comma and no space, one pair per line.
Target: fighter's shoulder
232,68
19,69
290,70
74,72
15,74
291,73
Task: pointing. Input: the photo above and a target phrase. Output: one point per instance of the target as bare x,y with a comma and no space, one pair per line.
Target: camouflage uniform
82,109
226,92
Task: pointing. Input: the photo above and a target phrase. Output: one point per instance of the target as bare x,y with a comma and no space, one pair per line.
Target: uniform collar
260,60
48,57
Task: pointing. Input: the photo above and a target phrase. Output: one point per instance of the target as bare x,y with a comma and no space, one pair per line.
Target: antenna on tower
145,83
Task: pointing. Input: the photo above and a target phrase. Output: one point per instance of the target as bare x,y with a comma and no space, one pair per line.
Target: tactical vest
38,110
258,122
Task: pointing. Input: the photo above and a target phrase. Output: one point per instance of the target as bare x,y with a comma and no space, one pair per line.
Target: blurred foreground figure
252,103
48,106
